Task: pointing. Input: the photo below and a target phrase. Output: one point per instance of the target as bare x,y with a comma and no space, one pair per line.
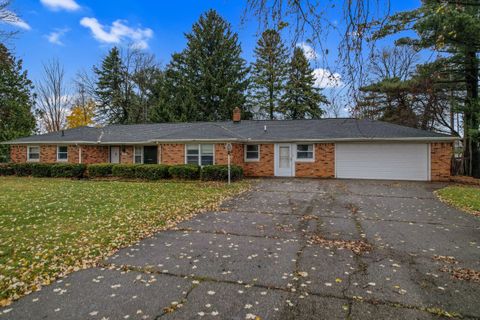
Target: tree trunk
271,103
471,148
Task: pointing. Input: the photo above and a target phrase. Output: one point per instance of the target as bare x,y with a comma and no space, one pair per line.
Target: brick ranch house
324,148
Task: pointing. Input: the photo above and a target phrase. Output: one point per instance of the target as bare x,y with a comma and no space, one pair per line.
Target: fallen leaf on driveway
463,274
358,247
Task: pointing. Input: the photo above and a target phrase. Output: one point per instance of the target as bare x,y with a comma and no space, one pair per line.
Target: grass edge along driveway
466,198
51,227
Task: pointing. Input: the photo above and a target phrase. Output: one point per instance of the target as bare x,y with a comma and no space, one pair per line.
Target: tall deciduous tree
207,79
269,74
301,99
147,78
81,115
53,97
16,101
388,96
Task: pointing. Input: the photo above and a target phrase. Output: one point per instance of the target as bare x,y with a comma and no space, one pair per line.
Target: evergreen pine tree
207,79
269,74
301,99
112,91
16,101
452,29
176,99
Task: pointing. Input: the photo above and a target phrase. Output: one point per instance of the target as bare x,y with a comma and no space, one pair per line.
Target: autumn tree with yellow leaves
81,115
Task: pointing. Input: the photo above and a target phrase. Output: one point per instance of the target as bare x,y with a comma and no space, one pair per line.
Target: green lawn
463,197
49,227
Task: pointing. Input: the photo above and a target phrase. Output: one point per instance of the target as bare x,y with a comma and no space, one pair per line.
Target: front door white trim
114,154
284,167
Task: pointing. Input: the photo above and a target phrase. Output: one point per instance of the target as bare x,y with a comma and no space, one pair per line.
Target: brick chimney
237,115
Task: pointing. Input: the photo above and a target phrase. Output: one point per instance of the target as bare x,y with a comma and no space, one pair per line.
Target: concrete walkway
288,249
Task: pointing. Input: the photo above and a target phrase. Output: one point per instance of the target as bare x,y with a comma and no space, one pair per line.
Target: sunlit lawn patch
466,198
49,227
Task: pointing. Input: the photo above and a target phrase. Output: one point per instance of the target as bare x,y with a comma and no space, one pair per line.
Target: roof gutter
13,142
156,141
93,143
196,140
407,139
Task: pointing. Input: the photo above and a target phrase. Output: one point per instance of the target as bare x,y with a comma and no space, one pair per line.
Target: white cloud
326,79
69,5
11,18
118,32
310,53
54,36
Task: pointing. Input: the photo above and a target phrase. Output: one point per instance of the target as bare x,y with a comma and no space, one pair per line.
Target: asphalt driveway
288,249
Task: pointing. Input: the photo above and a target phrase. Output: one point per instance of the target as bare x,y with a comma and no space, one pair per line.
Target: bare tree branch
7,16
312,19
53,99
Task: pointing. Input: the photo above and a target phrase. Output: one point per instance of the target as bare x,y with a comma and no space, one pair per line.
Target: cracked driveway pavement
255,258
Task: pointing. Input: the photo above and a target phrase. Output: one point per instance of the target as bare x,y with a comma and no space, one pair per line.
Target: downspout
79,152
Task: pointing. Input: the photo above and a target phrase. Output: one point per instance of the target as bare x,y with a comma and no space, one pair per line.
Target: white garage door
391,161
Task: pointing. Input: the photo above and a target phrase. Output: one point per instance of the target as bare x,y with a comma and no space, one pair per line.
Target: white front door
114,154
283,160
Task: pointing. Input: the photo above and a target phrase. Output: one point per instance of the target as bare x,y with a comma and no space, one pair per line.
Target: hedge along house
324,148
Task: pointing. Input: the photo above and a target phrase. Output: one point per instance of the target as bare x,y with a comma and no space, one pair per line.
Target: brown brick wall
94,154
126,154
18,154
73,153
441,160
48,153
265,166
173,153
237,154
221,155
322,167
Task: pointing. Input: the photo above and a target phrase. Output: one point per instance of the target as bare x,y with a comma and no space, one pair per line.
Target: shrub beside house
124,171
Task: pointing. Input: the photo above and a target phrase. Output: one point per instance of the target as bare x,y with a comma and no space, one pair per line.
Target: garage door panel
382,161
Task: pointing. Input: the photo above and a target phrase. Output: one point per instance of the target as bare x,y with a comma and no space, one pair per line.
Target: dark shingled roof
244,131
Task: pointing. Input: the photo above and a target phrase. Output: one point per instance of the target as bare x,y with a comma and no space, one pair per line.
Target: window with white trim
138,154
200,154
62,153
305,151
252,152
206,154
33,153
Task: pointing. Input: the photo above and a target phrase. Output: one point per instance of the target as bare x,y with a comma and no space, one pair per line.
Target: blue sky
80,32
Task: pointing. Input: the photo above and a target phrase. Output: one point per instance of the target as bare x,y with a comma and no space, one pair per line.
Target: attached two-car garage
389,161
